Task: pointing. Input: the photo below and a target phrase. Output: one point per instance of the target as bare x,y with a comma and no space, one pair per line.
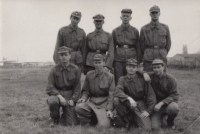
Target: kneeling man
165,87
99,86
64,88
134,97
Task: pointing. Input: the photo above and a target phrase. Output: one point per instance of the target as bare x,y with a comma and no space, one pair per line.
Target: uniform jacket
99,88
136,88
165,88
99,41
74,39
64,79
155,41
126,36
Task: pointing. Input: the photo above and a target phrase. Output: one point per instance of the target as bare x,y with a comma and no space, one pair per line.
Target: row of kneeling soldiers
139,98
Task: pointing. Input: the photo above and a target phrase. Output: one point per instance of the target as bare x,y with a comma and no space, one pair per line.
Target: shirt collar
131,78
127,28
155,25
100,75
98,32
73,29
159,79
68,68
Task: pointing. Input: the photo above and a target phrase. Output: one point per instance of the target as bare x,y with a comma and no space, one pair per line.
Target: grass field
23,107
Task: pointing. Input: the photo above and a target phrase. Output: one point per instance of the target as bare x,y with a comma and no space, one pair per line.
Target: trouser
171,111
69,116
87,112
124,108
147,66
87,69
119,70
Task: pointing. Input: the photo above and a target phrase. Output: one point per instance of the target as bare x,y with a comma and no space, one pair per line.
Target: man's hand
107,69
81,100
70,103
144,114
109,114
146,77
132,102
158,106
62,100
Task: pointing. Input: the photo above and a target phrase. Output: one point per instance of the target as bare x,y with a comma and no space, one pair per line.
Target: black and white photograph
99,66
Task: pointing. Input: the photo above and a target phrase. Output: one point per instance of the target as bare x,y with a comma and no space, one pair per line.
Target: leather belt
99,51
156,47
64,88
74,50
125,46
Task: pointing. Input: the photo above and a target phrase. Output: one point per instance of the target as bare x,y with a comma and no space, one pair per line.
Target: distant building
11,64
186,60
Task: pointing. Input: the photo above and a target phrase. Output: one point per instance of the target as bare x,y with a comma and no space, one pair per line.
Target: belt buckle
125,46
156,47
98,51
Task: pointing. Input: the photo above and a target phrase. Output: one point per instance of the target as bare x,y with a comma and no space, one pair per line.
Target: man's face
99,64
158,69
98,24
155,16
131,69
74,21
64,57
125,17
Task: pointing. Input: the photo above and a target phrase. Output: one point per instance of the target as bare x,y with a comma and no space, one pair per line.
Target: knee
53,101
116,101
173,108
78,108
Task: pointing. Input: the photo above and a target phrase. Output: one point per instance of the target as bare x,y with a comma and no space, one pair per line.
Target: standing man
100,42
73,37
134,97
99,86
165,88
126,44
63,88
155,40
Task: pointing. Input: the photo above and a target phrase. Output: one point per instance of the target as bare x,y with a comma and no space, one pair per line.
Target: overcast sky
29,27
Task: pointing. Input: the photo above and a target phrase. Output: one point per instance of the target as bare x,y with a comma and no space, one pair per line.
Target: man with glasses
63,88
155,40
73,37
126,44
134,97
100,42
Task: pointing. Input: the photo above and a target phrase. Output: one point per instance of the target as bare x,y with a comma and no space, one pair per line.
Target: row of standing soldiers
124,43
121,50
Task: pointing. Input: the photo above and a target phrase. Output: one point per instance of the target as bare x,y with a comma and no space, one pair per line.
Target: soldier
134,97
100,42
126,44
155,40
99,86
73,37
64,88
165,88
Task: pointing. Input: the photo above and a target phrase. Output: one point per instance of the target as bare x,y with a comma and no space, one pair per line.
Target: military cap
157,61
154,9
76,14
98,57
126,11
64,49
132,62
99,17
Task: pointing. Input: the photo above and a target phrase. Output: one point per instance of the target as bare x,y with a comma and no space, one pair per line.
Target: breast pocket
79,39
58,79
104,44
71,80
133,40
104,86
66,39
162,36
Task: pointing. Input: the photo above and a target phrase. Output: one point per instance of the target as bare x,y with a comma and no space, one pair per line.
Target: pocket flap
71,77
104,41
79,38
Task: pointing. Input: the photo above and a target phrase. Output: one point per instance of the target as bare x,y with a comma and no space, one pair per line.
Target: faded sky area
29,27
